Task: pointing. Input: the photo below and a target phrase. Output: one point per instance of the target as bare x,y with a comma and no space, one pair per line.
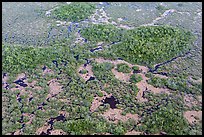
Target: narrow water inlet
20,82
91,78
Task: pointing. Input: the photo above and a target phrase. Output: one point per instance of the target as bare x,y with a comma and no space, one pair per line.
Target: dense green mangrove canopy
145,45
74,12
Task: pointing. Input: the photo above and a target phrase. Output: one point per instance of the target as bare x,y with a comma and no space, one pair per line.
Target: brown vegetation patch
190,101
88,74
58,132
121,76
193,117
142,85
64,113
4,78
18,132
199,98
47,71
114,115
54,86
97,101
160,76
133,133
43,129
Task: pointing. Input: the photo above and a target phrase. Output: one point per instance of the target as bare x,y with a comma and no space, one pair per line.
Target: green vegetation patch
178,83
16,59
74,12
146,45
99,32
135,78
83,71
135,68
122,67
170,121
150,45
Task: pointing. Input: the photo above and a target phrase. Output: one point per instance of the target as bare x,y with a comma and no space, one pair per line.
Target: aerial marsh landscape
102,68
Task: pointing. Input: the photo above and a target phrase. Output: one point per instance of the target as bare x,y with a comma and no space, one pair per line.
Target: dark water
4,75
44,68
7,85
166,62
55,62
91,78
21,83
111,101
92,50
76,57
64,62
137,71
30,99
87,62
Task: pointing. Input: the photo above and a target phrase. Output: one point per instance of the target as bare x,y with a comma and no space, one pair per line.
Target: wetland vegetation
45,92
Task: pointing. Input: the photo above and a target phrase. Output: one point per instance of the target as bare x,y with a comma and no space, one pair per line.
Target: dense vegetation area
143,46
100,32
147,45
73,12
135,78
123,67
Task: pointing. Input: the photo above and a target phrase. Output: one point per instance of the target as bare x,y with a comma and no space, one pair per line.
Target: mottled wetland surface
75,87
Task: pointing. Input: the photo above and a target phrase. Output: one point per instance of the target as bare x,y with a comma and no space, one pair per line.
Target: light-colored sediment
43,129
142,85
114,115
121,76
167,12
79,39
190,116
55,87
199,98
47,71
190,101
18,132
133,133
58,132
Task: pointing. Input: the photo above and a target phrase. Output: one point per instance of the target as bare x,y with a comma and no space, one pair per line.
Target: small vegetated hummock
74,12
123,68
83,71
136,69
135,78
